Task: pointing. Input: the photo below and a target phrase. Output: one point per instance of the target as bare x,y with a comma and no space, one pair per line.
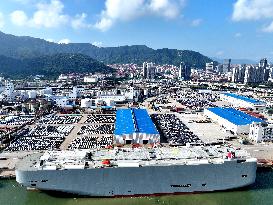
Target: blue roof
124,122
234,116
103,107
106,107
143,122
129,121
247,99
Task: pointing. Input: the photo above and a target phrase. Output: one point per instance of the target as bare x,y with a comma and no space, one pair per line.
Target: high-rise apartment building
184,71
149,70
252,74
238,74
210,67
227,65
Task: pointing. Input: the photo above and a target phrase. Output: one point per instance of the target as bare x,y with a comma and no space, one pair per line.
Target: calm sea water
261,193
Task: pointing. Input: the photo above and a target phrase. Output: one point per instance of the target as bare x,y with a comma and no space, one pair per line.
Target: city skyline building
210,67
184,71
252,73
149,70
227,65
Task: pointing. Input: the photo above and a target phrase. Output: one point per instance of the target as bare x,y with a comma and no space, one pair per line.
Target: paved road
73,134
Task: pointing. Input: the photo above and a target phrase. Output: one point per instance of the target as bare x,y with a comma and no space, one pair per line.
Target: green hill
28,47
50,65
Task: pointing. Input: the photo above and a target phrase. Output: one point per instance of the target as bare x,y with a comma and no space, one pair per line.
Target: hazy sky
216,28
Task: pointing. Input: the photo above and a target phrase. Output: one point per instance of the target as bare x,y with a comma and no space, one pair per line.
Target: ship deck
129,157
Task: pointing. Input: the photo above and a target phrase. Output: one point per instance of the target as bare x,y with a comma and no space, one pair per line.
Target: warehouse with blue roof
135,126
243,101
231,119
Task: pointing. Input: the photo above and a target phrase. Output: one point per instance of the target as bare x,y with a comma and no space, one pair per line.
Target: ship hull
139,181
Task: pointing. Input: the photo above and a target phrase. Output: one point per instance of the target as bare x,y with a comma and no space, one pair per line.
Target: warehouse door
128,141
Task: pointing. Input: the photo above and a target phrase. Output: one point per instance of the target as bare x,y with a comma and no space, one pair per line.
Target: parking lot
174,130
60,119
92,131
208,132
40,137
98,118
95,131
87,142
17,120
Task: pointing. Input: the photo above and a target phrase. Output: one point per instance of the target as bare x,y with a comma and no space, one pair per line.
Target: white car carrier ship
138,171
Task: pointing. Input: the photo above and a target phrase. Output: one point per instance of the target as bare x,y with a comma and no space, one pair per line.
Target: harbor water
260,193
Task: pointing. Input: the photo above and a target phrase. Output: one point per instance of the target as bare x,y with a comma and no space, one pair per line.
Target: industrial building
90,79
231,119
242,101
260,132
135,126
98,102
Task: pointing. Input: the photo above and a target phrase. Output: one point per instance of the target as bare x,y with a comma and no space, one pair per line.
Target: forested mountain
50,65
27,47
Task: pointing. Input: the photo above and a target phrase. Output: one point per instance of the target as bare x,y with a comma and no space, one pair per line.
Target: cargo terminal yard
181,129
182,117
